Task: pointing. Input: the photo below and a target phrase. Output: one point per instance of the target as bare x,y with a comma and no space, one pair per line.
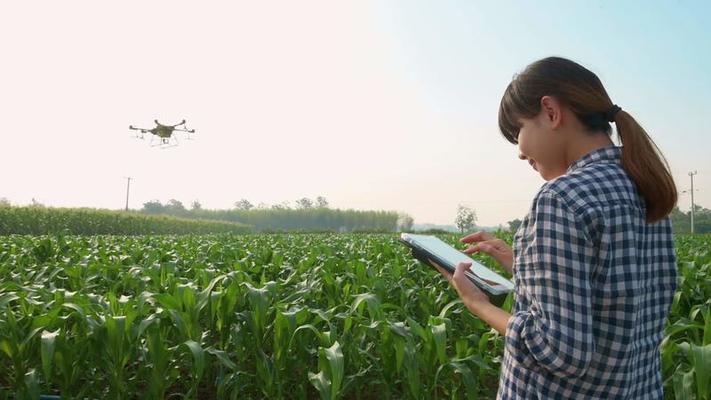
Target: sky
371,104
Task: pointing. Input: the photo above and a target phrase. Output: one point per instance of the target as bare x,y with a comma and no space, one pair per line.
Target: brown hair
582,92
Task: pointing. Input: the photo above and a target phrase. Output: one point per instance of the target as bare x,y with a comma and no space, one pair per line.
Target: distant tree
304,203
153,207
513,225
263,206
284,205
681,221
321,202
405,222
174,206
466,218
195,206
36,203
700,210
4,202
244,204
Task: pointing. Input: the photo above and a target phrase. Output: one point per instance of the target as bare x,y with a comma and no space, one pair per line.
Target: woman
593,262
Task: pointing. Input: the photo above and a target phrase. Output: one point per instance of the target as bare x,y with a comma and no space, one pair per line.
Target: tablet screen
453,256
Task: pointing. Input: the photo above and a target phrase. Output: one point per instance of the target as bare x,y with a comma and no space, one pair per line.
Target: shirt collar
609,154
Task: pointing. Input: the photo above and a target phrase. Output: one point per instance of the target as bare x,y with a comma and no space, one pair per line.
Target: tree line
307,215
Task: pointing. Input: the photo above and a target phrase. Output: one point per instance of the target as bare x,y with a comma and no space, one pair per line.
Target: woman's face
542,146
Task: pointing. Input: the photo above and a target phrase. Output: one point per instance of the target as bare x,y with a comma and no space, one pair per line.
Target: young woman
593,262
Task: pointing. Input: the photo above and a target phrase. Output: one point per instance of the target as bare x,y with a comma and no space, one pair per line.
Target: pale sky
372,104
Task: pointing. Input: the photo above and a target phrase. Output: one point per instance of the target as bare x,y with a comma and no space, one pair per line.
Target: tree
174,206
262,206
4,202
321,202
466,218
304,203
405,222
153,207
284,205
195,206
36,203
244,204
681,221
514,225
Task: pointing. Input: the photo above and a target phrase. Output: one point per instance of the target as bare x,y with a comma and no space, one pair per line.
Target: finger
461,268
487,247
446,274
471,249
477,237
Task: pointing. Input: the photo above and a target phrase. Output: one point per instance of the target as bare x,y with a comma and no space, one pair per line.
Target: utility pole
128,186
691,175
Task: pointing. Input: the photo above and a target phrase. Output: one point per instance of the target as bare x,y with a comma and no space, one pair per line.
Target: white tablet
430,247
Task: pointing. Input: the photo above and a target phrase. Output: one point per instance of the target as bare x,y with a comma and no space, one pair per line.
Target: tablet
430,247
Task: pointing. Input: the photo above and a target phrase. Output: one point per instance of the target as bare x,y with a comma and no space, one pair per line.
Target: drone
163,133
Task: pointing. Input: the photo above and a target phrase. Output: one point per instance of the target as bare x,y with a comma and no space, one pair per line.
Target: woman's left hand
467,290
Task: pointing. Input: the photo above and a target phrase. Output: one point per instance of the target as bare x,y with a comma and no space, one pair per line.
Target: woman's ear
552,109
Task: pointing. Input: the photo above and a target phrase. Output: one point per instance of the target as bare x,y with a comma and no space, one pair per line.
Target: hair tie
610,114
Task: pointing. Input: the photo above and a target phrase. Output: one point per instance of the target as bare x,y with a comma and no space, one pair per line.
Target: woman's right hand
491,245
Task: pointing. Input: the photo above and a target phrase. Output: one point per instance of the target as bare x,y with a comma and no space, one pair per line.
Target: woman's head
555,102
573,85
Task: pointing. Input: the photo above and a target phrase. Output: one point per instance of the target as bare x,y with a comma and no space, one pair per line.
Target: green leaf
373,305
683,385
32,384
334,355
467,377
150,320
6,298
198,358
48,339
707,325
322,384
439,332
701,356
223,358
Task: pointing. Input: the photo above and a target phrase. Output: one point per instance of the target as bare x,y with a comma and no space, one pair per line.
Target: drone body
164,133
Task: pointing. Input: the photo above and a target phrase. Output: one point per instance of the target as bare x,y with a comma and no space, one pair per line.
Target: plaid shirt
593,286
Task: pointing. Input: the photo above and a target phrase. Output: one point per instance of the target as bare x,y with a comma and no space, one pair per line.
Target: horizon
374,106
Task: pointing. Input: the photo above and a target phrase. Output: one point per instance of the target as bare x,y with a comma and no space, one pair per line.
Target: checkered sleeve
555,333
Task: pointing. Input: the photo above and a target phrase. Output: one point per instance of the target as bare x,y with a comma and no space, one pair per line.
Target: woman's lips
533,164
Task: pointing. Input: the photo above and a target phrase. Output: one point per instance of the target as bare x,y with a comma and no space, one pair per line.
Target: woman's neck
585,143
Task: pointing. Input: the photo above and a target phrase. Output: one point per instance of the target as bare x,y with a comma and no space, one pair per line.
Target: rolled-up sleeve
555,332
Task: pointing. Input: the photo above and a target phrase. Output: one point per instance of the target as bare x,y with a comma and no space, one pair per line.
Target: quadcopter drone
163,134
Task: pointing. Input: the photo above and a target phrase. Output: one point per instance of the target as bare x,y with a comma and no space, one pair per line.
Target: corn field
270,316
88,221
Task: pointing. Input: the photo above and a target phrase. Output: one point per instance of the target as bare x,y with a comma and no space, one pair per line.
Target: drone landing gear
164,143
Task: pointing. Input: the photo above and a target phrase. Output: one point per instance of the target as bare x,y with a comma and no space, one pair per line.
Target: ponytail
647,167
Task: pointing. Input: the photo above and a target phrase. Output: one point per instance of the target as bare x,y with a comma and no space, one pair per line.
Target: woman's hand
467,290
474,299
491,245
